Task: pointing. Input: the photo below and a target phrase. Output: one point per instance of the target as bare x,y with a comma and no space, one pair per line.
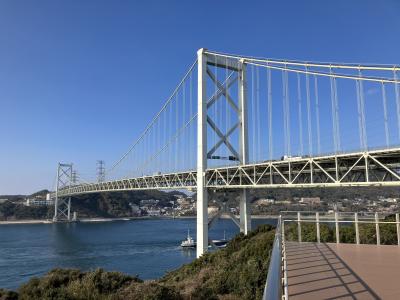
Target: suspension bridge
239,122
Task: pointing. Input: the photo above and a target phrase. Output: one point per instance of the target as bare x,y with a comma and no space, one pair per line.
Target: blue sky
79,80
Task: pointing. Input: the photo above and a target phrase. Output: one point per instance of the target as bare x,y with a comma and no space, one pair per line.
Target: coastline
90,220
26,222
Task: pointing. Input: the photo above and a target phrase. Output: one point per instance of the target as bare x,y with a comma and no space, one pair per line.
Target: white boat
220,243
189,242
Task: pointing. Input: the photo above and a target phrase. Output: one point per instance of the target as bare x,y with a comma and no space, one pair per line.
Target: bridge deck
342,271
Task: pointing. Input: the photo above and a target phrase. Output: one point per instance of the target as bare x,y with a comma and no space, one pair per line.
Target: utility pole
101,171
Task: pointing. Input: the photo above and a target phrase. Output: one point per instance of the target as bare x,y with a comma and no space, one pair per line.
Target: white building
154,212
39,202
149,202
264,201
135,208
310,200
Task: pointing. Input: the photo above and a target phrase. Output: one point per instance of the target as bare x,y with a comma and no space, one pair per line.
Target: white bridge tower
204,152
62,205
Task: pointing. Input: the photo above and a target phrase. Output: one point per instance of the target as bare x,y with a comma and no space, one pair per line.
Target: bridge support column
245,206
245,212
202,193
62,206
69,209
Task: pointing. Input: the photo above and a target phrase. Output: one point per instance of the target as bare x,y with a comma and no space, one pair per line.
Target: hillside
117,204
106,205
327,194
236,272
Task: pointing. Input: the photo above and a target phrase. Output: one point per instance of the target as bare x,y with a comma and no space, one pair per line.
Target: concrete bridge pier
245,212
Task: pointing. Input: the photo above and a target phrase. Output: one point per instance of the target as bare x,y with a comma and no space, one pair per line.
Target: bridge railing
276,284
341,218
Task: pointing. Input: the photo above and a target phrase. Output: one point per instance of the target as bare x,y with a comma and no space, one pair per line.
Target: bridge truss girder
341,170
374,168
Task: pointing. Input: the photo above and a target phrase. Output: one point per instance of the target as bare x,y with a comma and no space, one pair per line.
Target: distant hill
22,197
14,208
13,197
108,205
116,204
10,211
327,194
42,193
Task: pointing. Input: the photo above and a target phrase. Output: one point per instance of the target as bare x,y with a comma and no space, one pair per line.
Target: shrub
8,295
74,284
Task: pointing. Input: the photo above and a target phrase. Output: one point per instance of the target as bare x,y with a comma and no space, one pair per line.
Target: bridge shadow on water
315,271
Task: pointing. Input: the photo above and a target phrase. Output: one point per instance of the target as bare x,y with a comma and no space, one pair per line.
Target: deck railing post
299,226
285,279
337,227
398,228
318,232
378,235
357,231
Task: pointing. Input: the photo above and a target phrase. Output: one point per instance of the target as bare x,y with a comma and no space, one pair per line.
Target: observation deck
345,271
305,264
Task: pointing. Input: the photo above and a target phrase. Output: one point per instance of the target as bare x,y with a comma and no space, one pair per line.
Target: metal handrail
337,221
273,286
